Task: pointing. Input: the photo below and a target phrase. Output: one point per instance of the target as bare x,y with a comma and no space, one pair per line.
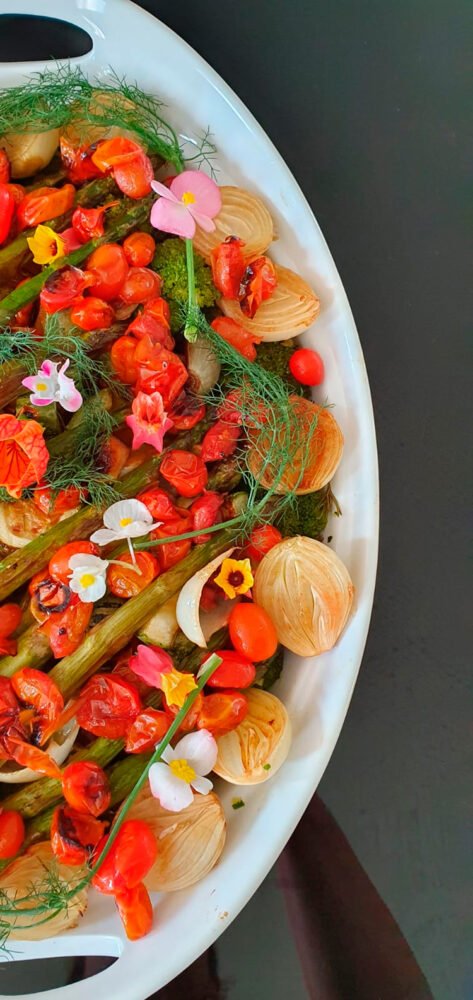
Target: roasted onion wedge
242,214
22,521
28,870
255,750
306,589
29,152
291,309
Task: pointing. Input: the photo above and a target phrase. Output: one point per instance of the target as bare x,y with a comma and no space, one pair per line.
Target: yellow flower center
87,579
188,198
41,386
125,521
181,769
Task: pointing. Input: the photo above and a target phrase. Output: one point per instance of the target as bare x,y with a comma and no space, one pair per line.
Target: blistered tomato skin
136,911
12,833
129,860
109,267
235,670
222,711
85,787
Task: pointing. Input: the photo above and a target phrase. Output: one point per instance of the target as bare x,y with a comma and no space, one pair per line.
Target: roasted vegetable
170,262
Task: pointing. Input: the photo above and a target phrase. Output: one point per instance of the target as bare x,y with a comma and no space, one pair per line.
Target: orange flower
23,453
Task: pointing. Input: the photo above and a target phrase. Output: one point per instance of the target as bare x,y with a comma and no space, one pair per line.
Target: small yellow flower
46,245
176,686
235,577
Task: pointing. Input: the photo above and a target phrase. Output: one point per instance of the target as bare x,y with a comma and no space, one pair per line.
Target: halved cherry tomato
7,208
91,313
223,711
14,745
10,618
62,287
78,161
124,581
159,310
129,859
85,787
186,412
88,222
172,552
63,501
107,705
65,629
145,325
139,249
189,721
136,911
4,167
252,631
228,266
159,504
204,512
159,370
12,833
8,699
49,596
114,152
122,357
141,283
134,179
185,471
43,204
59,563
219,441
109,268
307,366
235,670
258,284
36,690
235,334
146,731
262,540
74,835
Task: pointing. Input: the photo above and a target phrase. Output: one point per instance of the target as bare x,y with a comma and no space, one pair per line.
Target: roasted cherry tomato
307,366
129,859
59,563
62,287
235,670
109,268
228,266
159,309
65,629
145,325
185,471
140,284
125,581
91,313
146,731
235,334
107,706
12,833
43,204
23,316
219,441
159,504
172,552
36,690
4,167
238,407
252,631
134,179
47,597
159,370
136,911
14,745
122,358
7,208
63,501
222,711
10,618
85,787
258,284
189,721
74,835
186,412
262,540
78,161
204,512
115,152
88,222
139,249
8,699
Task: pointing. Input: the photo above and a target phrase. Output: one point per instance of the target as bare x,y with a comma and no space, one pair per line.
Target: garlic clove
242,214
256,749
292,308
202,365
188,602
28,870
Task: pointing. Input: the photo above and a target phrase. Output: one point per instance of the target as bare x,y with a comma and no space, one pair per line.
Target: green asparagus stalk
123,219
33,651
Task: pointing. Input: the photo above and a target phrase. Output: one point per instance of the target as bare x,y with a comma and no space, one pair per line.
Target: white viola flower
88,576
182,768
125,519
52,386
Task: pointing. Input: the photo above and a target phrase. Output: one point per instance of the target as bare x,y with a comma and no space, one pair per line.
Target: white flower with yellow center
182,768
125,519
88,576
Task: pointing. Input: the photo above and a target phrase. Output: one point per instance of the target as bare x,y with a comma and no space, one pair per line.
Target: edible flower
181,769
23,453
46,245
125,519
88,576
235,577
154,666
148,420
52,386
191,199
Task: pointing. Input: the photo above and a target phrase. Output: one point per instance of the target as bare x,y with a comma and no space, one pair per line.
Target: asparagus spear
33,651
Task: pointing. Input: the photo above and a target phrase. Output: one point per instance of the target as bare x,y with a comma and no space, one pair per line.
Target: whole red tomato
74,835
122,357
185,471
91,313
146,731
136,911
129,859
220,441
140,285
12,833
186,412
62,288
228,266
139,249
258,284
252,631
107,706
235,670
204,512
235,334
222,711
85,787
59,568
108,267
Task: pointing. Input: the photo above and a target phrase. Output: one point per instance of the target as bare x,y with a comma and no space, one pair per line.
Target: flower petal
125,509
199,749
164,191
202,785
208,199
172,217
103,536
149,663
88,563
173,793
204,221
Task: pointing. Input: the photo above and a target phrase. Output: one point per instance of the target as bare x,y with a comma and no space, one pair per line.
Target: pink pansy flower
191,199
52,386
149,662
149,421
182,768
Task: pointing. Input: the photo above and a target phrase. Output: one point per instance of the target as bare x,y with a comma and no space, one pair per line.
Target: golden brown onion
190,842
30,869
242,214
292,308
307,591
29,152
255,750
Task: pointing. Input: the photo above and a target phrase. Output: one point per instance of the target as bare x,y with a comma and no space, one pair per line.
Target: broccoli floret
274,358
308,514
170,262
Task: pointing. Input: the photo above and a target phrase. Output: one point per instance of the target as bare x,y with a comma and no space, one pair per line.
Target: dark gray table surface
368,103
